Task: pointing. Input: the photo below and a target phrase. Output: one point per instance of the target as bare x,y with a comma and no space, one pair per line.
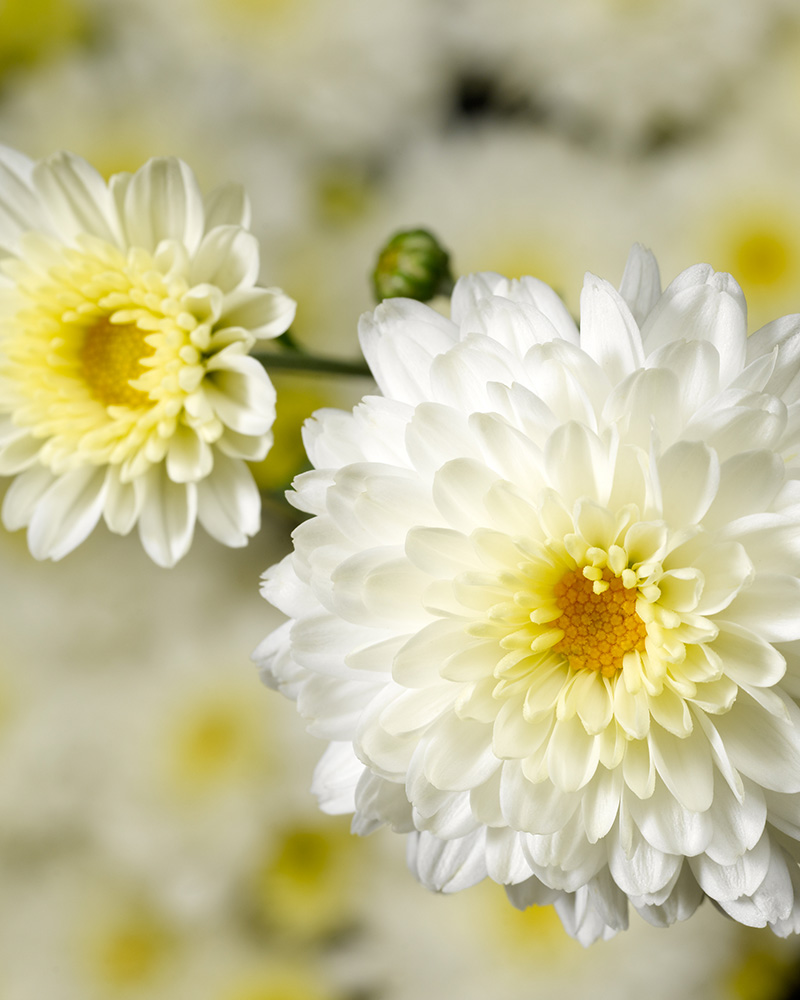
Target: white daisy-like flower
546,608
127,310
607,72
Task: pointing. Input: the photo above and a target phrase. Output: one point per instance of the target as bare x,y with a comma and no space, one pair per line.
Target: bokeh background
158,838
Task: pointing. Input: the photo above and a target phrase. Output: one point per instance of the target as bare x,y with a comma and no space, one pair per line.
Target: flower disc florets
126,314
547,604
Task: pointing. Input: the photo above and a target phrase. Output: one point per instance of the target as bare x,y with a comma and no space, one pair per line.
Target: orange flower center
599,629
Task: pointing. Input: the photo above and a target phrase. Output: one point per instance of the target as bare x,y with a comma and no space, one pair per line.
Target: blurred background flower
158,839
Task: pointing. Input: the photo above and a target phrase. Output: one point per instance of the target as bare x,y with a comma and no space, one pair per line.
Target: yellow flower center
761,257
99,351
599,628
129,952
111,358
130,957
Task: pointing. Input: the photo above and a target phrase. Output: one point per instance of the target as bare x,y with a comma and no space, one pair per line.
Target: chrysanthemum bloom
127,310
547,604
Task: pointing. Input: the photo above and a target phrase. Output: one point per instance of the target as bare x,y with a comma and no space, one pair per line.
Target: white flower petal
447,865
762,747
123,504
166,524
516,326
685,767
582,920
769,607
641,870
18,451
701,304
335,779
783,334
728,882
20,210
772,541
684,898
641,282
459,489
189,458
577,464
567,381
76,198
473,289
228,502
738,825
509,452
609,333
739,423
377,802
263,312
668,825
747,658
241,395
400,342
536,808
572,755
772,901
475,763
437,434
647,397
600,803
162,201
689,475
334,709
461,377
66,513
23,495
226,258
696,364
747,482
505,859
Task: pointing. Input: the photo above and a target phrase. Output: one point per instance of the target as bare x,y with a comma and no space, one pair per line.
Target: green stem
291,360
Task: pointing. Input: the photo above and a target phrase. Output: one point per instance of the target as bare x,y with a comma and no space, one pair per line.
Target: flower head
127,311
547,604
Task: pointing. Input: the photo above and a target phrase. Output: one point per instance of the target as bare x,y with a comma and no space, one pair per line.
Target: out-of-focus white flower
735,202
581,210
358,79
606,71
126,392
544,610
106,936
305,883
476,944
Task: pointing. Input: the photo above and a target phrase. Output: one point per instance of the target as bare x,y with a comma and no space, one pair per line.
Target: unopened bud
414,265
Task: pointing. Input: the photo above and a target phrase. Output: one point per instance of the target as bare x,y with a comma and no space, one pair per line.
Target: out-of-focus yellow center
212,745
760,258
289,985
260,14
213,740
599,628
131,954
111,357
304,856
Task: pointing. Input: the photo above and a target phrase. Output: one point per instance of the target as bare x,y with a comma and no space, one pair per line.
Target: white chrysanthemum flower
546,606
621,74
127,311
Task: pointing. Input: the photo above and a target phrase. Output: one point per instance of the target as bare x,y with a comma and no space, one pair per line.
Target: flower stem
293,360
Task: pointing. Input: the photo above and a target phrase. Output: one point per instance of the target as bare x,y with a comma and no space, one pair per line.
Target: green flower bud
414,265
